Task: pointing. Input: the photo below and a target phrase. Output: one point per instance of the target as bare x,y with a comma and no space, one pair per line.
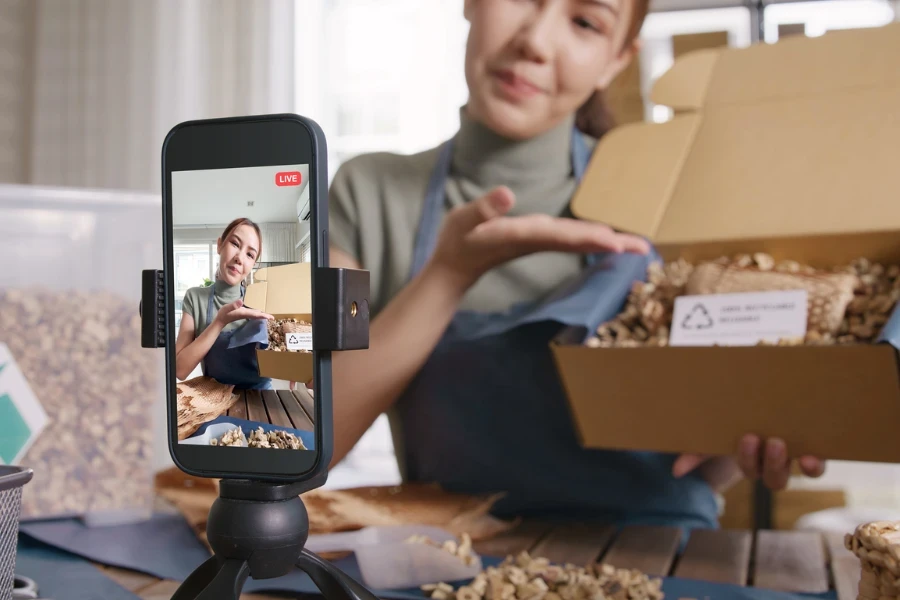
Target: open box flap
789,140
283,291
685,85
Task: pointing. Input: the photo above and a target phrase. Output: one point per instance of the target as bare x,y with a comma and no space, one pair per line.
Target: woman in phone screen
213,316
467,244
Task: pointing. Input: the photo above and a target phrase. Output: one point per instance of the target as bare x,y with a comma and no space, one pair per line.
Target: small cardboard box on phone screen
791,149
284,292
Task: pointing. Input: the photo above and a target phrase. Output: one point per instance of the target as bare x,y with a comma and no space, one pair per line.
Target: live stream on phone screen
243,307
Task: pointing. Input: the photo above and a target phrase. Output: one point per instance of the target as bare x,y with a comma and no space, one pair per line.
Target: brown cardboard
789,149
283,292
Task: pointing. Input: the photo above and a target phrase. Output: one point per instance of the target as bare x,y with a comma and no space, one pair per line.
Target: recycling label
299,341
742,319
22,418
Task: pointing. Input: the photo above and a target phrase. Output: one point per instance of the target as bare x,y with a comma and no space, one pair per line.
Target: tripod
259,529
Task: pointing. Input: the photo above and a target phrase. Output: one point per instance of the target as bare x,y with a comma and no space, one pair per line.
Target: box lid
787,140
281,291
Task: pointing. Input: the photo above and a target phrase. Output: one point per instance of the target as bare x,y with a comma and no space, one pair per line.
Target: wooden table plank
130,580
256,410
295,412
578,544
845,566
649,549
720,555
239,409
522,537
304,397
790,561
277,415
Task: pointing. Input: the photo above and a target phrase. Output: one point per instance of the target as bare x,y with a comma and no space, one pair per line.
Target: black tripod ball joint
255,528
260,530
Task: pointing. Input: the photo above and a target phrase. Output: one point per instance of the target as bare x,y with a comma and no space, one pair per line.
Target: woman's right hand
237,311
477,237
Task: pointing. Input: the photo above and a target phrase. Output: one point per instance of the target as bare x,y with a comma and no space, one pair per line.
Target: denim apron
232,358
487,412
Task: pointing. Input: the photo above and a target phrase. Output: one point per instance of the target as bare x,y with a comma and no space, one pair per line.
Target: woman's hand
477,237
754,460
237,311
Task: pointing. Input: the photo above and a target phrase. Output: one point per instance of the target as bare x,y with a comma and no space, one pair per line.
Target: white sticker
21,413
738,319
299,341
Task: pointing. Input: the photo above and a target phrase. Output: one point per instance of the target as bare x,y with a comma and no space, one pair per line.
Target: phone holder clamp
340,309
256,528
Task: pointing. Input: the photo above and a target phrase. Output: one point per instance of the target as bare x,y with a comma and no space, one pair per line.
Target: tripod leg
214,580
331,581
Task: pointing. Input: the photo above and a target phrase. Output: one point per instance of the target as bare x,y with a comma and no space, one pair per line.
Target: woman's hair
594,117
243,221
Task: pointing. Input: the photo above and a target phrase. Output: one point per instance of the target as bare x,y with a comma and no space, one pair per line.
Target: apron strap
209,314
432,208
581,158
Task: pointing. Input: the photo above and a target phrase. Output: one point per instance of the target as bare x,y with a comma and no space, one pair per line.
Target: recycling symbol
293,339
698,318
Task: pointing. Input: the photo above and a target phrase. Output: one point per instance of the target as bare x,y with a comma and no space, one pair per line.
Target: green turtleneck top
376,200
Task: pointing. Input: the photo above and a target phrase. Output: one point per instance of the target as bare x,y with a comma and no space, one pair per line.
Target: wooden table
284,408
793,561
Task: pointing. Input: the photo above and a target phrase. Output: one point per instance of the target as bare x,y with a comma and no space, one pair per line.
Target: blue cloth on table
62,575
167,548
308,437
164,546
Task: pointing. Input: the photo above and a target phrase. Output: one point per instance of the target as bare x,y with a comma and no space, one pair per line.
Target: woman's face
237,254
531,63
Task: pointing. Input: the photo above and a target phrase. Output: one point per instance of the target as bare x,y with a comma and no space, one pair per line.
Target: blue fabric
308,437
164,546
232,358
62,575
890,333
254,331
167,548
487,412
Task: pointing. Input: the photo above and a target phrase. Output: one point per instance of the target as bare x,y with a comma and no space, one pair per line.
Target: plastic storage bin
69,294
11,481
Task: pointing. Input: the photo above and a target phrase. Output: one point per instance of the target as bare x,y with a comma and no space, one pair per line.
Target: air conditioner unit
303,207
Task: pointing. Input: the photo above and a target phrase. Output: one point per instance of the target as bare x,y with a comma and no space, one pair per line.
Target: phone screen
241,200
243,308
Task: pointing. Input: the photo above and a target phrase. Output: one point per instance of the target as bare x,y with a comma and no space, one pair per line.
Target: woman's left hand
754,460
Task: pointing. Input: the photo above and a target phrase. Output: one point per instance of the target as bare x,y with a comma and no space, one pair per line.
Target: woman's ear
619,64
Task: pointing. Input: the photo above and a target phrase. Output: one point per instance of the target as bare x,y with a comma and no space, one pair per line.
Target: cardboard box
790,149
283,292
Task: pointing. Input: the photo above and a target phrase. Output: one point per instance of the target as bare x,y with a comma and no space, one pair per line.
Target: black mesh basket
11,481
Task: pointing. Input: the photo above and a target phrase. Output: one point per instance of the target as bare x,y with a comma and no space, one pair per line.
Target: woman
217,330
475,264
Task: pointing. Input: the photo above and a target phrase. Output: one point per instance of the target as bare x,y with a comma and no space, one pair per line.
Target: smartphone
245,228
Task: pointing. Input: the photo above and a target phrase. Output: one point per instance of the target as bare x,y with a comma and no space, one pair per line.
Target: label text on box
743,319
299,341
